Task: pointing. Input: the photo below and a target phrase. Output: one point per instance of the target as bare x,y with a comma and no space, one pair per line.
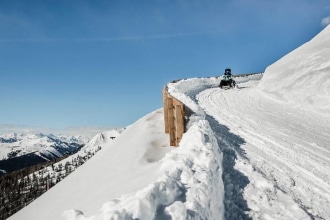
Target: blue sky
73,64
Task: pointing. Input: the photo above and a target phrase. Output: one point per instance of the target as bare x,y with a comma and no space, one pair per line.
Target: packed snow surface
258,152
282,150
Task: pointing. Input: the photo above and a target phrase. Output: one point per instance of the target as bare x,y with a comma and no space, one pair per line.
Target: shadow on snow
234,181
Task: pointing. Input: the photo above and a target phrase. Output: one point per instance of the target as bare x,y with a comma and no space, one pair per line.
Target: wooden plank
171,122
179,123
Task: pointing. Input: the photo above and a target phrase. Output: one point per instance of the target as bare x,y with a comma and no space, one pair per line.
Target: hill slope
302,76
119,168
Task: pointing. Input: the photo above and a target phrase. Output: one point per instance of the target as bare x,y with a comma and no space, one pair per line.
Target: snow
284,147
47,144
260,152
119,168
302,76
185,183
279,129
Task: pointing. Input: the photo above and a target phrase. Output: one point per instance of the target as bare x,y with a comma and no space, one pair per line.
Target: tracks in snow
283,152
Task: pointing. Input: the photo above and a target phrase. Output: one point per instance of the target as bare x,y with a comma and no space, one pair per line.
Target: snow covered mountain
39,176
20,144
35,148
259,152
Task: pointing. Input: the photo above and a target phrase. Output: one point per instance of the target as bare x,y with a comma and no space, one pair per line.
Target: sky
73,65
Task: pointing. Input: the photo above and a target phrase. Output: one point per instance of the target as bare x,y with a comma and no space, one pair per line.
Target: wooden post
179,113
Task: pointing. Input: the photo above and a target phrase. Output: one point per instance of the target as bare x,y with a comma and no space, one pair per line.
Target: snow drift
301,74
189,187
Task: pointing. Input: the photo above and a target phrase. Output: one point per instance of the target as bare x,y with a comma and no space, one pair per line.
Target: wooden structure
174,118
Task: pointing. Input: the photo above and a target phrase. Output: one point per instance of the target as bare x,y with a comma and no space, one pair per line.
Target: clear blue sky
104,63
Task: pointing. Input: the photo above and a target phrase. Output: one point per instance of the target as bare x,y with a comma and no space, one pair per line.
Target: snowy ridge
189,187
301,74
19,151
99,141
50,145
103,138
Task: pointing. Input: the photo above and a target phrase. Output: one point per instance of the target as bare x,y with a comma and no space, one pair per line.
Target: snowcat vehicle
227,81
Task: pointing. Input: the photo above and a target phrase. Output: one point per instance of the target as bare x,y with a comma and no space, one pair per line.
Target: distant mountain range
18,151
34,172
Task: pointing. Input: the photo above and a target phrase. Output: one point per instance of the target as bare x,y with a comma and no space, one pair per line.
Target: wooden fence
174,118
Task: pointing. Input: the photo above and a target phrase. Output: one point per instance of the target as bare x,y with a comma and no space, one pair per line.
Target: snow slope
116,170
259,152
132,178
302,76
